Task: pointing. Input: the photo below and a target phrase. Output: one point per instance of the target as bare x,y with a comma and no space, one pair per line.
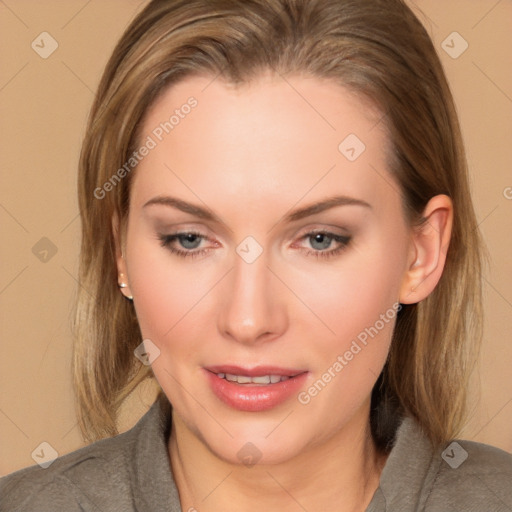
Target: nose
253,307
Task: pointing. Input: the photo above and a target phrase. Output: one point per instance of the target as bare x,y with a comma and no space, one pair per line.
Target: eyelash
342,240
166,241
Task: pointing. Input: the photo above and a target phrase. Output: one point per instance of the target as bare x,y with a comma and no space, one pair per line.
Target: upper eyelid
305,231
337,203
329,231
177,234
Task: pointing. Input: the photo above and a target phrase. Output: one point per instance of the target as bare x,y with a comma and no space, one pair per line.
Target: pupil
323,239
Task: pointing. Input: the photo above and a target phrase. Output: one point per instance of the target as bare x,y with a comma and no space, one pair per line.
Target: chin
258,452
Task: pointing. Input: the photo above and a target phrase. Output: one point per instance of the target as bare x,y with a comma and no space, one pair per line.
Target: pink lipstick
254,389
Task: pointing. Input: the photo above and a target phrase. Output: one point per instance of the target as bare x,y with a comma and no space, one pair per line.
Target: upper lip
255,371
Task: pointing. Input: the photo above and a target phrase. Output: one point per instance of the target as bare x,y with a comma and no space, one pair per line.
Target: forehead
276,136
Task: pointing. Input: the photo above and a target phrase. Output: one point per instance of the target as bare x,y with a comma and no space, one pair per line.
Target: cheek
360,310
161,293
358,302
351,296
170,296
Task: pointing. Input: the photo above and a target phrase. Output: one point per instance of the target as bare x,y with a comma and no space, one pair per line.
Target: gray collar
412,462
151,473
411,466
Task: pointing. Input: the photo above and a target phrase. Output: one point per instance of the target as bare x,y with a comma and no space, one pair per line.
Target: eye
321,240
189,240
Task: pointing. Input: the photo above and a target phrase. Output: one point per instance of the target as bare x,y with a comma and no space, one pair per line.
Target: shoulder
471,476
68,481
128,472
460,475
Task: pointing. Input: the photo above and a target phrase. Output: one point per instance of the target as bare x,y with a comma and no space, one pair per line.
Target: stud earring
122,285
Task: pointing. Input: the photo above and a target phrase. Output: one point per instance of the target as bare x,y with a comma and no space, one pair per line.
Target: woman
274,201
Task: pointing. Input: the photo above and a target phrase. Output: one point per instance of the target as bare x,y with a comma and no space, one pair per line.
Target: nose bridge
252,310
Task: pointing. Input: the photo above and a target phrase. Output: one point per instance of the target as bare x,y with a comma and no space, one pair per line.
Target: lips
254,389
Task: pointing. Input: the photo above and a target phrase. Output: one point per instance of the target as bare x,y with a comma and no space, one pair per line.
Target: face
273,318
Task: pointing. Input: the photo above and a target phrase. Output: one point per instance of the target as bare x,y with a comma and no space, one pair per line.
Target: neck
341,474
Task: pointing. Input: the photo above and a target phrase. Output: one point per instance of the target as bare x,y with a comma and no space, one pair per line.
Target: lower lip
245,397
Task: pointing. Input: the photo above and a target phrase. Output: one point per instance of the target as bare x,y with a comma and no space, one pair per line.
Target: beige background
44,104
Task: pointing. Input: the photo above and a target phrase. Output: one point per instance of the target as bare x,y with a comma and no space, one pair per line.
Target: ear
122,279
429,245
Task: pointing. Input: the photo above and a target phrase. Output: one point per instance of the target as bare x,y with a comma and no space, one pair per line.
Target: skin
250,155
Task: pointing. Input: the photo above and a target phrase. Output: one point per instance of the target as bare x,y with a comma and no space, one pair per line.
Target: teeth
245,379
265,379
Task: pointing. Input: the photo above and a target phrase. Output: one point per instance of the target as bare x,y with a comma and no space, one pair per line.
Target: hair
377,49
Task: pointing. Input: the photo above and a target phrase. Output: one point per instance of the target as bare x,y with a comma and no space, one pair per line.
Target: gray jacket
131,472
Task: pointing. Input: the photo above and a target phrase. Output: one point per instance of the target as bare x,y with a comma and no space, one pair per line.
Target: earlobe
122,280
123,286
429,246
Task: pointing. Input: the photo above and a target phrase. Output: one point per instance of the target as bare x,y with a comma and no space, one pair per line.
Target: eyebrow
295,215
184,206
325,204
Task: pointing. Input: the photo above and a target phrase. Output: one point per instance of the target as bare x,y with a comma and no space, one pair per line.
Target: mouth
254,389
